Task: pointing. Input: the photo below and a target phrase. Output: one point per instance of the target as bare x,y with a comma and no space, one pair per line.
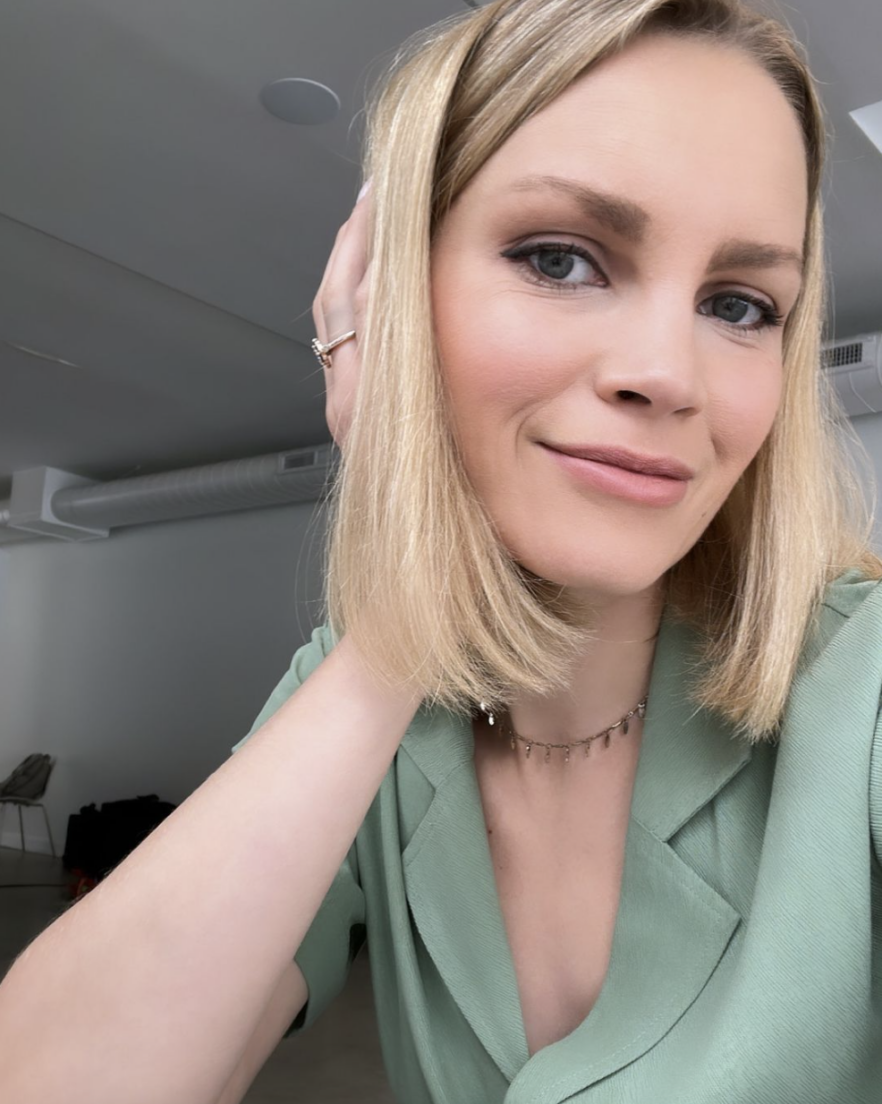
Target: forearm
149,988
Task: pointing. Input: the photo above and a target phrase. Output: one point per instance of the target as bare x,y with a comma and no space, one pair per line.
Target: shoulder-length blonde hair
415,570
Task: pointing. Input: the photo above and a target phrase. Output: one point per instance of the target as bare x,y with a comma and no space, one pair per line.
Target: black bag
98,840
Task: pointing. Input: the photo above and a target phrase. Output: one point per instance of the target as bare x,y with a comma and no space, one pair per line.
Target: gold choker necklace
638,711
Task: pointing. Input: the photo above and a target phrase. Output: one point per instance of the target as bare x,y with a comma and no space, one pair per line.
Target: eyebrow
629,221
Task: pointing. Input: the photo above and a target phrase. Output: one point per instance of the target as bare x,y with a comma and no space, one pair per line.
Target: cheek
494,363
742,412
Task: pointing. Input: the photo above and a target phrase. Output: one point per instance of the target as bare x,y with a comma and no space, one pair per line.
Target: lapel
671,928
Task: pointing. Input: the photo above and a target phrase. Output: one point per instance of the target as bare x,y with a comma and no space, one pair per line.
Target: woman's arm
290,996
149,989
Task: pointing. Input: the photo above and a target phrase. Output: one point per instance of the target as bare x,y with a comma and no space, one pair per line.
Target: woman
592,225
625,253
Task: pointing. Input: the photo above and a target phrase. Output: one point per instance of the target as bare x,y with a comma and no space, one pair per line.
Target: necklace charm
485,708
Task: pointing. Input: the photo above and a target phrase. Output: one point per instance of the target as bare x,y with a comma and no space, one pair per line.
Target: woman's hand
338,308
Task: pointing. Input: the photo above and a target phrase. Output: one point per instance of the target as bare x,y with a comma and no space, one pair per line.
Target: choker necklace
638,711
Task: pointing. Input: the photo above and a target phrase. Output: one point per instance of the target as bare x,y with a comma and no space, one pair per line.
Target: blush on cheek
741,418
491,368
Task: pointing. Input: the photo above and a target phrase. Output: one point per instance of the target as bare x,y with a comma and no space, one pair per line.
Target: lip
630,461
647,490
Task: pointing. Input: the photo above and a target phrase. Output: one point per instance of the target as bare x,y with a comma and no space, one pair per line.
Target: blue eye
557,261
732,303
551,264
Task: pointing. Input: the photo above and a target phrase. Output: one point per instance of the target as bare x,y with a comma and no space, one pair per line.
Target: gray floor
307,1068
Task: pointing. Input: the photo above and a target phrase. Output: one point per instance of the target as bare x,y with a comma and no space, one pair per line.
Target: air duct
50,502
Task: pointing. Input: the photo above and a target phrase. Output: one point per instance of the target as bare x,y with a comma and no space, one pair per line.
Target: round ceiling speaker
298,100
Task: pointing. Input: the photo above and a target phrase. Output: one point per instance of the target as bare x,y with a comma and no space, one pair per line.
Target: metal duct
300,475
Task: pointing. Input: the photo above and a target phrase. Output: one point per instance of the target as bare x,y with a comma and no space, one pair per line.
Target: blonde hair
415,570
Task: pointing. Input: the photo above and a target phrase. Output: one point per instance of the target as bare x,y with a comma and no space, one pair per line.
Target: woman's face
637,322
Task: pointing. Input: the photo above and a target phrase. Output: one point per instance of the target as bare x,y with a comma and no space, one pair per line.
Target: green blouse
746,965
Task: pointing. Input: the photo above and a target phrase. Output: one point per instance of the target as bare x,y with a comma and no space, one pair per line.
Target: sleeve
338,931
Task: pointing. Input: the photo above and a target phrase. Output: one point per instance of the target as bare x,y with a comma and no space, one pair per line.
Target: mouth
647,489
667,466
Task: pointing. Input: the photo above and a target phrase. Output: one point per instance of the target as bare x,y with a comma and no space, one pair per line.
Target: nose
652,356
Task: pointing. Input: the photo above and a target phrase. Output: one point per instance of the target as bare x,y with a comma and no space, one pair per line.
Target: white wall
139,660
869,429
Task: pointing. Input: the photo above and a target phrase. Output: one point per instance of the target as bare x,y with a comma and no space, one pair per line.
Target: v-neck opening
497,895
671,929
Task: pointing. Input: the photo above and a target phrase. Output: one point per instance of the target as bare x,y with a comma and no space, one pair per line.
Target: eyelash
520,256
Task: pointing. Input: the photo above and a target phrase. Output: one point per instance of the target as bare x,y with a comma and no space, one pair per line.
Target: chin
601,582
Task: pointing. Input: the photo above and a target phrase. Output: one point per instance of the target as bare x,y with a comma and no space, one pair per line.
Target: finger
344,273
328,276
317,312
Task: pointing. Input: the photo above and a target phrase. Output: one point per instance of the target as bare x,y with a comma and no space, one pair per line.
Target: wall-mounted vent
851,352
301,458
855,366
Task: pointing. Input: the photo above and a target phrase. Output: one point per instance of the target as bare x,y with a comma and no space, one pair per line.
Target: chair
24,786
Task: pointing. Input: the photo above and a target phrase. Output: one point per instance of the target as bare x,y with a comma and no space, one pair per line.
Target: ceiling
164,235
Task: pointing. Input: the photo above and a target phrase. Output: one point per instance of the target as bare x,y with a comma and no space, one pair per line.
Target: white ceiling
163,233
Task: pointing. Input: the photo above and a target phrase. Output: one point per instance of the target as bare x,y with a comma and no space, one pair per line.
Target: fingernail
364,190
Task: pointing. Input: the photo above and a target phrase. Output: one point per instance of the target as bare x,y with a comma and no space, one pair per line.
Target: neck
610,679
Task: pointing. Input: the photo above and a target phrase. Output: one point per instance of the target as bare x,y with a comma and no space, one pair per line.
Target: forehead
678,125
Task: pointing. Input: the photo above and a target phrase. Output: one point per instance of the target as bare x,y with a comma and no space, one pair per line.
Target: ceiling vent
855,367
